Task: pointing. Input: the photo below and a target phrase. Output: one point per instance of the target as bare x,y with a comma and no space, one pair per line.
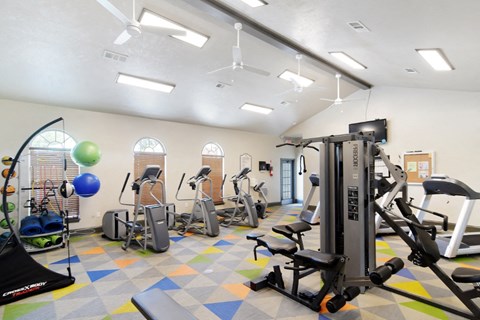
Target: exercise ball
66,189
86,154
10,207
86,184
5,173
7,160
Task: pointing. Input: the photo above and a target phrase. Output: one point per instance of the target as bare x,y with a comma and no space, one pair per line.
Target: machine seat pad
289,229
317,259
466,275
298,226
254,236
276,245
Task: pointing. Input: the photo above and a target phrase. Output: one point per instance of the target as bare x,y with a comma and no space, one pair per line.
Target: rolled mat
56,239
41,242
30,226
51,222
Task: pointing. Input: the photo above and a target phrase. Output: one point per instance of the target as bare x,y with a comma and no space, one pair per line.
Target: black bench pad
156,304
466,275
317,259
289,229
276,245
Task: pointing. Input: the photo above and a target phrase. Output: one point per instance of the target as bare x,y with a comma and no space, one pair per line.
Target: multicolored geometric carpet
207,275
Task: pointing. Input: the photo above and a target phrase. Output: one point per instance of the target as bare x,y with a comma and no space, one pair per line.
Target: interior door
287,181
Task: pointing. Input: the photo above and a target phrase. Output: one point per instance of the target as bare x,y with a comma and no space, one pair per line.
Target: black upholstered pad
317,259
155,304
289,229
466,275
276,245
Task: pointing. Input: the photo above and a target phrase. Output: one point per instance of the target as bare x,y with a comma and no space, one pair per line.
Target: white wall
116,136
445,122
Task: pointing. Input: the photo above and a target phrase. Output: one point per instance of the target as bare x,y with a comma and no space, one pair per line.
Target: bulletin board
418,165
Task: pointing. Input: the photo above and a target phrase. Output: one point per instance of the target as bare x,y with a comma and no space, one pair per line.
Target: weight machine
203,218
347,229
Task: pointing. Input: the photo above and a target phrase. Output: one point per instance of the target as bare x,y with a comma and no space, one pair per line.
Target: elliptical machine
154,234
259,205
203,218
240,213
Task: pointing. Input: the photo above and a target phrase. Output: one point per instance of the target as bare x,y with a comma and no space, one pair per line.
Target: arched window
212,155
150,151
49,151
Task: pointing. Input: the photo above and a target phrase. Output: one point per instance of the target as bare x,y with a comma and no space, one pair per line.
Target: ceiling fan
299,82
133,28
338,100
237,58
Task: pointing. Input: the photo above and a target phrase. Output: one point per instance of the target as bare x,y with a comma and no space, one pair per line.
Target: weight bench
155,304
285,246
305,262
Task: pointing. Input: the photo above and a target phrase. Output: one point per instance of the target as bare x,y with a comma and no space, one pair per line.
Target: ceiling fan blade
329,100
164,31
122,38
113,10
237,55
220,69
256,70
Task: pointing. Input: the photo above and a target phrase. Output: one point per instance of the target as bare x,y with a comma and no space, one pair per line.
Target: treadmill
459,242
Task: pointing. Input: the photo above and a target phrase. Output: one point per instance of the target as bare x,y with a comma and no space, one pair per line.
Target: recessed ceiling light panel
255,108
300,80
255,3
149,18
144,83
342,56
436,58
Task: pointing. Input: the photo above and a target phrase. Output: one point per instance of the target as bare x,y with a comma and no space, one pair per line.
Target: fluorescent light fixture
298,79
436,59
255,108
255,3
149,18
144,83
342,56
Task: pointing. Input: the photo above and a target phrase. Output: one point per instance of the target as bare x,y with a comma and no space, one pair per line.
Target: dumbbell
383,273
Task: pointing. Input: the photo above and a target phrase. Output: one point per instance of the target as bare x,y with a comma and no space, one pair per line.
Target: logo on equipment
25,289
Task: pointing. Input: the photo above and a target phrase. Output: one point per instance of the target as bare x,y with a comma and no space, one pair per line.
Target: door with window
287,181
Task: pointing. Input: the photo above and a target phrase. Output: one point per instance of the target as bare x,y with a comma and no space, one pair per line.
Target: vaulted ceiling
53,52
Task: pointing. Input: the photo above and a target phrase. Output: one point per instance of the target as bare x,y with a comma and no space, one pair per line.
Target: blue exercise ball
86,184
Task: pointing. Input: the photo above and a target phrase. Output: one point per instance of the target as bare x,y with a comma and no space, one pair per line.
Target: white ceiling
52,53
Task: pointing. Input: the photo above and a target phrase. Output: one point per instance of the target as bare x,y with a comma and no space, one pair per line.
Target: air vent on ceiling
222,85
114,56
358,26
411,70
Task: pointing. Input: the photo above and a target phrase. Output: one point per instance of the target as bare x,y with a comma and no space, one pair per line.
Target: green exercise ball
10,206
86,154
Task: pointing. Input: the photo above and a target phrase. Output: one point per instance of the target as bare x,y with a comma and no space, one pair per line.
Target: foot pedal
306,295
